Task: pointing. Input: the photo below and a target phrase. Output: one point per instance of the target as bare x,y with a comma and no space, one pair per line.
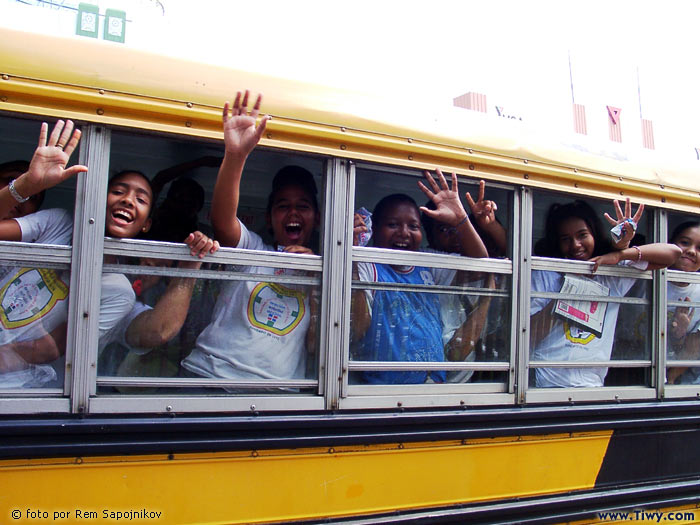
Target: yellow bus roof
109,83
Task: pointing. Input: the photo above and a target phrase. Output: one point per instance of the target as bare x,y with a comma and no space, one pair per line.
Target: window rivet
331,450
100,111
101,91
343,147
189,104
342,128
622,193
410,141
188,124
410,157
663,199
169,408
86,315
4,99
6,77
471,166
525,161
254,453
575,184
91,220
252,408
661,186
470,150
575,170
526,176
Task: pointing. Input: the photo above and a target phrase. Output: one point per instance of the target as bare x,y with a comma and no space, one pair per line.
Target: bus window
253,335
683,302
34,294
568,336
417,301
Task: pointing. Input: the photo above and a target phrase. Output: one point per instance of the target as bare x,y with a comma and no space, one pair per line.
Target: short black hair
293,176
141,174
22,166
187,185
382,207
559,213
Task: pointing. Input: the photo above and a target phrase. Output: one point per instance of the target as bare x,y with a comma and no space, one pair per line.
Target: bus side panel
251,486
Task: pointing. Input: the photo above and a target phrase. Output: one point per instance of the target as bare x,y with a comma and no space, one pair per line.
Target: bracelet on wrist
15,194
466,218
639,253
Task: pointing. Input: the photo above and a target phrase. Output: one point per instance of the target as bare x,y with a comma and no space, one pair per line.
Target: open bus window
683,302
34,295
568,336
407,309
234,326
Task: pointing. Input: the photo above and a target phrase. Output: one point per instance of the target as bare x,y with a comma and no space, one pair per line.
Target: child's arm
46,169
451,211
466,336
658,255
240,138
485,215
155,327
361,317
18,355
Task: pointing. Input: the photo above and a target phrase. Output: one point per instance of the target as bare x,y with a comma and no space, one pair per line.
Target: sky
425,53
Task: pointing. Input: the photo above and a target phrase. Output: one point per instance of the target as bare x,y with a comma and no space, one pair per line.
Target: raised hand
484,211
358,228
449,207
240,133
629,230
48,165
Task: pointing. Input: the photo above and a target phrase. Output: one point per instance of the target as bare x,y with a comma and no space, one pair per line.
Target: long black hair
681,228
559,213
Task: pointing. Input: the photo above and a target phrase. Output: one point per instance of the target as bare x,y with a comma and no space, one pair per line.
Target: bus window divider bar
591,298
229,256
427,365
209,274
36,254
639,363
585,268
431,260
430,288
183,382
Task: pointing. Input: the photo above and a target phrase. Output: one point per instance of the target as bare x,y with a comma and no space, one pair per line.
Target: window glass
34,297
567,330
404,311
683,300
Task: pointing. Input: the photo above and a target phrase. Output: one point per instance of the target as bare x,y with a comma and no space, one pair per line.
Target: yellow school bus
118,435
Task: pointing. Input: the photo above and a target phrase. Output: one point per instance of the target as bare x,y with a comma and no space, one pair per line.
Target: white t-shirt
568,342
680,293
34,300
258,329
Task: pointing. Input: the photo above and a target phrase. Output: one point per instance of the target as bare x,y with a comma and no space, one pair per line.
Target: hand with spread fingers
681,321
240,132
449,206
629,229
48,165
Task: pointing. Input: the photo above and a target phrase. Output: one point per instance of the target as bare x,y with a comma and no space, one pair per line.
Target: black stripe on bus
44,436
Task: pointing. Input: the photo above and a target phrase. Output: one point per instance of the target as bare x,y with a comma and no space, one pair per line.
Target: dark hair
383,206
120,174
190,186
681,228
559,213
293,176
22,166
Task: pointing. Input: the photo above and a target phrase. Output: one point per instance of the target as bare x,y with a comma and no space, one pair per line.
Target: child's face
129,200
399,228
689,242
23,208
576,240
445,238
292,216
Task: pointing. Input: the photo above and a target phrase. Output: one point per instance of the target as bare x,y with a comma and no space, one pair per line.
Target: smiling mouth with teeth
123,216
293,228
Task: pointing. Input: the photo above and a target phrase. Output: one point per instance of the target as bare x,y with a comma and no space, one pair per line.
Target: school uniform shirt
405,326
34,300
568,342
258,329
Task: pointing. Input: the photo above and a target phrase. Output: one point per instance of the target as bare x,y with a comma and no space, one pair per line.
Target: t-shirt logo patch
29,296
576,335
275,309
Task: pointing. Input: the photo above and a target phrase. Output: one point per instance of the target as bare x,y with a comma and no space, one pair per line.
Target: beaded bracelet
15,193
639,252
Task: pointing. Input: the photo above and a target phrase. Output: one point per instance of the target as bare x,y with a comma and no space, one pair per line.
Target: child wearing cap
259,330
